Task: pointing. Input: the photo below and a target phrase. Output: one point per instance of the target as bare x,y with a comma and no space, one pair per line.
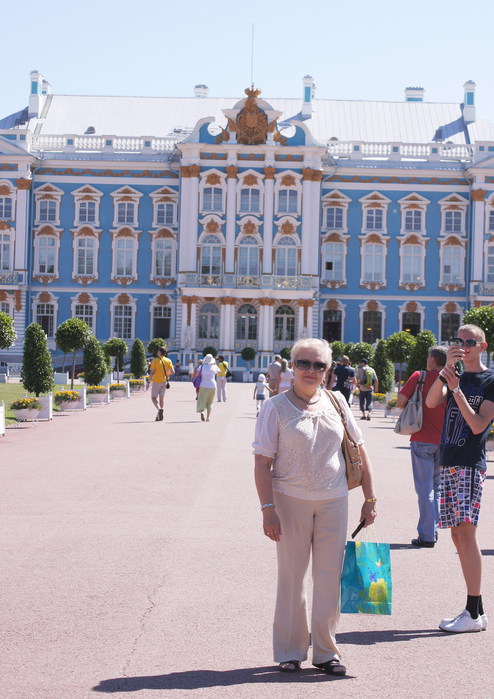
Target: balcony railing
482,289
11,278
117,144
242,281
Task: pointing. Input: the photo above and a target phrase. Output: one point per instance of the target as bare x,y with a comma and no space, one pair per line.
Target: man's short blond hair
478,332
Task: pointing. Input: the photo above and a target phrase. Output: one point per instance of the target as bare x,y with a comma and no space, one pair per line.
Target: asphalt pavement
133,563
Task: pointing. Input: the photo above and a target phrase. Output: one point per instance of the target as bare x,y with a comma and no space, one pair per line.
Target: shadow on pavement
487,552
370,638
199,679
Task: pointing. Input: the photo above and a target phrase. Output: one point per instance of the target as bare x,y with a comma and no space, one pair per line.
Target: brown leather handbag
350,448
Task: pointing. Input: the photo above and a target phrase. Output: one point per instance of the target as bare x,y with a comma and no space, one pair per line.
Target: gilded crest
252,123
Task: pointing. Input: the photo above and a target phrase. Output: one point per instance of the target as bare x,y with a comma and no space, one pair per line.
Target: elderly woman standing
301,482
207,389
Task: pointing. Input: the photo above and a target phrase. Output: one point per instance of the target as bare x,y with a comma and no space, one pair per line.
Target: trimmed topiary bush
94,360
286,353
138,364
37,370
420,351
399,347
384,368
7,333
155,344
248,354
209,350
116,347
71,336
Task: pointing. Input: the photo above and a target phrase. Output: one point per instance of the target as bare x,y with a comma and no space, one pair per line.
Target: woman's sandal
332,667
285,666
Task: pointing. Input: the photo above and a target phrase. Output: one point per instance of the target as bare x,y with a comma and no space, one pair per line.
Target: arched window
332,265
211,255
372,326
163,258
450,322
286,257
162,316
411,323
412,263
209,322
212,199
85,312
85,248
373,261
248,256
284,324
246,322
5,250
249,200
45,316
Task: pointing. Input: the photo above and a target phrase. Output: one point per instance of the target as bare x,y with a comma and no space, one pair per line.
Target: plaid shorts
461,494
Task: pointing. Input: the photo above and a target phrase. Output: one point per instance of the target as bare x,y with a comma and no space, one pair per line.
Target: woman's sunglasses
305,365
459,341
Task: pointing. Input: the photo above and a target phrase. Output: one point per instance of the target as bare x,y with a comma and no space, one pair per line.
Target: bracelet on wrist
267,504
370,500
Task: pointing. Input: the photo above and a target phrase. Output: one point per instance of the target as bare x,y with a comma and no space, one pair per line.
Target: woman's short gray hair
312,343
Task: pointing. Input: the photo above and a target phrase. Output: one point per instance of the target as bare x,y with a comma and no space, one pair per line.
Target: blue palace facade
234,223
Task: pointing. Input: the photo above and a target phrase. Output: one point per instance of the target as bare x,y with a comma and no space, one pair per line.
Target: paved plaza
134,564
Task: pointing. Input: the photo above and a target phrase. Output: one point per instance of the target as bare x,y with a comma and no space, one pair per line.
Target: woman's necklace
305,401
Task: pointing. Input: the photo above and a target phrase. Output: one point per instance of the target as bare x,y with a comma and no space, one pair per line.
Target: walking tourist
286,377
344,375
260,392
221,378
159,372
207,389
191,370
469,399
367,384
301,481
424,448
273,374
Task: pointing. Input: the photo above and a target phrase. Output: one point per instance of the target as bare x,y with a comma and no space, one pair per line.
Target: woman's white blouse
305,446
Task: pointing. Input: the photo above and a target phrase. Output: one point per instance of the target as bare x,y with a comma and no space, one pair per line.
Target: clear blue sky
353,50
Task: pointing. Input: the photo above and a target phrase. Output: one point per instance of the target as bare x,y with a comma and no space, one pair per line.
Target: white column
189,210
307,251
267,316
267,255
478,220
21,224
231,215
315,222
301,327
310,316
230,326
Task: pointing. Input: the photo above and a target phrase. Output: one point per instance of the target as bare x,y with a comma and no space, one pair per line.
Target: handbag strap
419,386
342,415
164,368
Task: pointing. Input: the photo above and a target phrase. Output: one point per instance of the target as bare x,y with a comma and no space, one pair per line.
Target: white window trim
34,306
47,229
9,194
381,309
11,233
9,301
116,235
259,185
164,195
113,304
51,193
487,244
341,308
412,239
335,199
278,187
335,237
369,202
74,301
441,310
129,195
155,304
489,207
364,240
442,245
420,310
414,202
77,234
158,235
453,202
222,184
82,194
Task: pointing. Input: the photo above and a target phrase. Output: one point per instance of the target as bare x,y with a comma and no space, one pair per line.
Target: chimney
469,101
201,91
309,92
36,98
414,94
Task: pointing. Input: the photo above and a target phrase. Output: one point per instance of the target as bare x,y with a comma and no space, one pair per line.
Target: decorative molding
333,305
288,181
162,281
372,286
251,124
451,287
333,284
45,278
231,171
45,297
411,286
372,306
307,173
266,302
451,307
250,180
269,172
227,301
4,226
85,279
478,194
123,300
213,179
5,191
18,300
190,170
162,300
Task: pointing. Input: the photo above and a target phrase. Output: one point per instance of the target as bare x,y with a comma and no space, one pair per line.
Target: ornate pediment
251,124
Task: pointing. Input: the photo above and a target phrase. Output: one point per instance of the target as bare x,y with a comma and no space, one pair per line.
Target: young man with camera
469,400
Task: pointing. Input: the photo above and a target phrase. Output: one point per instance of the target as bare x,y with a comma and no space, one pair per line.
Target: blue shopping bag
366,586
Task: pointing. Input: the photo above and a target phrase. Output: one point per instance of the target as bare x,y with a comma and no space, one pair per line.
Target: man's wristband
370,500
266,505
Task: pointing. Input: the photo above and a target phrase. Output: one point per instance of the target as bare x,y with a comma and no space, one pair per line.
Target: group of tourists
300,476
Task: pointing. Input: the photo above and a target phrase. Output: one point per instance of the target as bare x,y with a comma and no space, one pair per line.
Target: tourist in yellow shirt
161,369
221,378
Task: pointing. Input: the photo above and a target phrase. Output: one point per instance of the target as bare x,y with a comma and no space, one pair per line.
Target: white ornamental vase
67,404
24,414
97,398
117,394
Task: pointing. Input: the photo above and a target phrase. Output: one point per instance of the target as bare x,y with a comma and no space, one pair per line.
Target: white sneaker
464,623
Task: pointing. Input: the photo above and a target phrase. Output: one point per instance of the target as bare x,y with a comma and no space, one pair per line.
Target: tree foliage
71,336
7,333
483,316
116,347
209,350
384,368
361,350
94,360
348,348
286,353
399,347
155,344
248,354
420,351
337,349
138,364
37,370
